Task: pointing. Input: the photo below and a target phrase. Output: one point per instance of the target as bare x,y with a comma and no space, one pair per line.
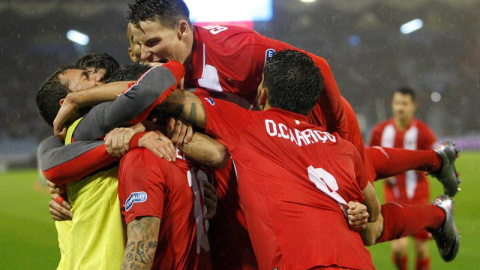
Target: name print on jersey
304,137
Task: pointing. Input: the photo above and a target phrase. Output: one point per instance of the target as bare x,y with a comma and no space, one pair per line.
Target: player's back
174,192
293,179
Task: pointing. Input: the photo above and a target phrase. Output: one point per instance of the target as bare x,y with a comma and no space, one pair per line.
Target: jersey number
215,29
195,181
326,183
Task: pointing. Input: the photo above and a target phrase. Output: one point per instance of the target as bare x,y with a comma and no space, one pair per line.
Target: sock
400,220
392,161
400,262
422,264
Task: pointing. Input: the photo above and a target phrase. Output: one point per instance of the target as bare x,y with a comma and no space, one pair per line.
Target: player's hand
159,144
210,199
59,207
54,189
117,141
357,216
68,111
61,211
179,131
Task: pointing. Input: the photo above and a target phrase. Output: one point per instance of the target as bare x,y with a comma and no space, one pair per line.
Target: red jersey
172,191
294,179
411,186
230,59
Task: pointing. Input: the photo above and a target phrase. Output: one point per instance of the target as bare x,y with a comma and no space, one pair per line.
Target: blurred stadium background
439,56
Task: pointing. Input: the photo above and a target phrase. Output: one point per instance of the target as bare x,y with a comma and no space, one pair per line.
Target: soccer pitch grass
28,238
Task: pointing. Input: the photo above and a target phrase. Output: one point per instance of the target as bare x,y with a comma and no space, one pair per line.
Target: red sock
422,264
400,220
400,262
392,161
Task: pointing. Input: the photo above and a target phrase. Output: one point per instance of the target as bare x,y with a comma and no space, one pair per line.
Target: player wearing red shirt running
405,131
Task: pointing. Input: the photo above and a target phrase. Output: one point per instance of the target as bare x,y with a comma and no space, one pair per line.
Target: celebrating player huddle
288,186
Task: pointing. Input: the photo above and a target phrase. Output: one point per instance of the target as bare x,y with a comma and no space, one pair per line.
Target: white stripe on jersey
210,79
388,136
410,141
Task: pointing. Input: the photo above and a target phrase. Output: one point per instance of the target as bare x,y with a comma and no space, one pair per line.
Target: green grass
466,218
28,239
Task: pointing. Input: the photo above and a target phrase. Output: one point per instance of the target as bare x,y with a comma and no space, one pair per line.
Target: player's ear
132,56
61,101
262,99
183,29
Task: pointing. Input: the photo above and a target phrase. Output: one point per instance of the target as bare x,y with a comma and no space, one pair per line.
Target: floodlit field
28,237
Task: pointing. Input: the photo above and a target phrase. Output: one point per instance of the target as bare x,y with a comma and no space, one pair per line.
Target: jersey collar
296,116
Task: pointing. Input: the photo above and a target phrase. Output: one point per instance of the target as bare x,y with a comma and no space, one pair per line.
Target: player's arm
206,150
368,192
186,105
371,202
62,164
201,148
142,242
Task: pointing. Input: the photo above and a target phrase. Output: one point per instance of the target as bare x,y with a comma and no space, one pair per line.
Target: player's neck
402,124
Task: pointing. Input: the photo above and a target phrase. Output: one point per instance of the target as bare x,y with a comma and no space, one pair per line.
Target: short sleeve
375,136
428,138
141,184
225,121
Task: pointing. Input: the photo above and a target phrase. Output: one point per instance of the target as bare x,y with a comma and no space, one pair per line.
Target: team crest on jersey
269,54
210,100
135,197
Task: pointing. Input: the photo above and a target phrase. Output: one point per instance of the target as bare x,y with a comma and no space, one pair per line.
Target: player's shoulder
223,32
380,126
422,126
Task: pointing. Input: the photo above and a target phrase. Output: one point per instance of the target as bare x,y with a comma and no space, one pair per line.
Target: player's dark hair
293,80
406,91
167,12
98,61
49,95
130,72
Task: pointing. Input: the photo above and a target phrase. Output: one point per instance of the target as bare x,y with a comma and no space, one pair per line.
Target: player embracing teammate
228,62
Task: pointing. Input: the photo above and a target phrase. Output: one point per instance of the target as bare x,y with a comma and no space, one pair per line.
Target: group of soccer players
292,182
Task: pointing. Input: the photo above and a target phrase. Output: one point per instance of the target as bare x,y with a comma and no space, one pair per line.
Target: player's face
134,49
79,79
403,106
161,44
99,74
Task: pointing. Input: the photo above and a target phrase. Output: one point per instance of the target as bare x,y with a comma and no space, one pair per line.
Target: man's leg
392,161
389,162
400,253
399,220
422,255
